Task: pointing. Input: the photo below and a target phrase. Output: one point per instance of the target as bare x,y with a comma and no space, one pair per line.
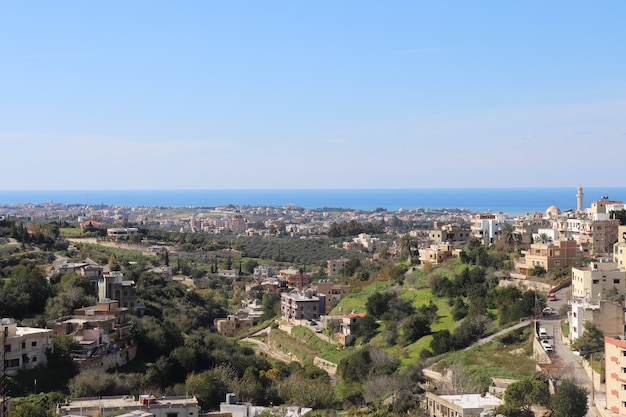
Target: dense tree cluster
569,400
353,228
370,374
400,314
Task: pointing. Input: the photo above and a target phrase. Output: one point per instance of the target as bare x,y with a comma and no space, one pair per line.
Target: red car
552,296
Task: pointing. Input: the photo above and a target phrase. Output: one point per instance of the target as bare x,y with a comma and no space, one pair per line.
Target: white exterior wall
27,346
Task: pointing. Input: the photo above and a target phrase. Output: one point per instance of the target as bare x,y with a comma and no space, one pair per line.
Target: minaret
579,199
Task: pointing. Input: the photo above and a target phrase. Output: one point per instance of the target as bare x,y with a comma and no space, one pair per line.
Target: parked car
545,344
546,311
552,296
543,333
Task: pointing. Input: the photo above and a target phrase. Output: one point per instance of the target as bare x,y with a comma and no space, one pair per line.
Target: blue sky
277,94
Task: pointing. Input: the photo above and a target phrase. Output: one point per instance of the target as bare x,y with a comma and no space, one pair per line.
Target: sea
512,201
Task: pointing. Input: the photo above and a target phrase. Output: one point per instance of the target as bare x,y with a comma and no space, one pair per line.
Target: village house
127,405
599,276
103,332
448,233
460,405
550,256
349,324
23,348
233,325
334,292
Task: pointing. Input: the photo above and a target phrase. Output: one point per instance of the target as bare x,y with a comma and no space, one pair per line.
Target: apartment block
306,306
592,281
486,227
550,256
335,265
615,369
605,315
449,233
333,292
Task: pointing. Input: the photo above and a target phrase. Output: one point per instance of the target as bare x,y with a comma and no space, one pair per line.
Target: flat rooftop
473,400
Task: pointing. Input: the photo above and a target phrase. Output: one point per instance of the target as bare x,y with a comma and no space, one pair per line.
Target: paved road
567,364
268,349
500,333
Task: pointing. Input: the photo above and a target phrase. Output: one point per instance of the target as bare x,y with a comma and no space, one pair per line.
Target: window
616,281
33,344
23,345
596,281
34,359
7,348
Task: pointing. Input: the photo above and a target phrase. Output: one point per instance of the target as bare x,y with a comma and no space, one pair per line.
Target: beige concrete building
527,227
334,292
23,348
619,249
592,281
615,371
436,254
449,233
460,405
233,325
349,324
550,256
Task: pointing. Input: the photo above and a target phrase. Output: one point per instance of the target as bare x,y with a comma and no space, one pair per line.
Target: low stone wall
525,284
328,366
594,377
539,353
564,283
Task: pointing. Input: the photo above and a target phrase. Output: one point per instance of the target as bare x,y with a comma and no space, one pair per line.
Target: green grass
72,232
497,359
305,350
356,300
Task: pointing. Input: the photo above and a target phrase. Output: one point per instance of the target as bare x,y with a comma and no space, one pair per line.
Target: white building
145,406
238,409
460,405
486,227
23,348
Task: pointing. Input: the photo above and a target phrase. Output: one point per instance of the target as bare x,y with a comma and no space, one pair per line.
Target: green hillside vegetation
426,316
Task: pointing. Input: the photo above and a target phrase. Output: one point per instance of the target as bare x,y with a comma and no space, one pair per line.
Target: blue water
507,200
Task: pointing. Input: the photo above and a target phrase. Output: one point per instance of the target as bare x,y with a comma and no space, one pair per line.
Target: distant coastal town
271,303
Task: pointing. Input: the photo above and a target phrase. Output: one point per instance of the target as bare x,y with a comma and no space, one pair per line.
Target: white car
546,345
547,311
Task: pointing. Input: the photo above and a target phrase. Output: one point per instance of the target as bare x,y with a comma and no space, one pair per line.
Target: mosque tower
579,200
